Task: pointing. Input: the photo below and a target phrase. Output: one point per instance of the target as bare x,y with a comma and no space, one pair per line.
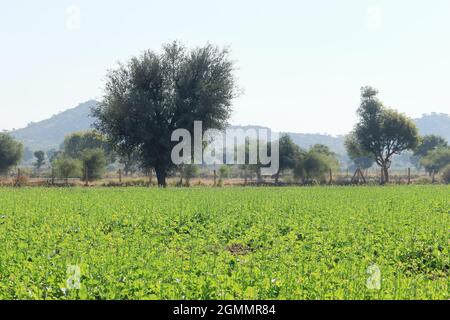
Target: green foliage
224,172
189,171
40,159
359,157
10,153
156,93
316,164
251,170
130,161
290,154
446,174
436,160
93,163
229,243
78,142
382,132
427,144
66,168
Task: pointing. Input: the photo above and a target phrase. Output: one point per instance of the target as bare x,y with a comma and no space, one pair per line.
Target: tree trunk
150,177
277,177
161,177
385,174
258,176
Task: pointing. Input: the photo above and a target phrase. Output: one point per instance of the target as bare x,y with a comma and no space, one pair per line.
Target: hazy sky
301,63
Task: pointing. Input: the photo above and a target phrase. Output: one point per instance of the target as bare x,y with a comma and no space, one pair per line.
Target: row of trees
152,95
82,155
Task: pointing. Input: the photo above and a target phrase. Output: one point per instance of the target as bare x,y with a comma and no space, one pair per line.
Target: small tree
130,161
224,172
436,160
66,168
446,174
189,171
94,163
316,163
315,166
382,132
250,170
40,160
427,144
10,153
289,154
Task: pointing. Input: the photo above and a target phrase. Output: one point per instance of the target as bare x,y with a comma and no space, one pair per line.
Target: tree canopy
11,152
66,167
154,94
289,155
382,132
93,162
76,143
40,159
429,143
436,160
360,158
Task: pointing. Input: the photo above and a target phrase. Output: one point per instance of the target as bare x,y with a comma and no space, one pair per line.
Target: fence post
409,175
215,176
18,176
120,175
86,176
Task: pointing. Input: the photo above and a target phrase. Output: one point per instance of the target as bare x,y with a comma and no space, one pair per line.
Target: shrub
94,163
423,180
66,168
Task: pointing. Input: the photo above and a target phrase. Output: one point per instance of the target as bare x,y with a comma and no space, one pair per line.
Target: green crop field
229,243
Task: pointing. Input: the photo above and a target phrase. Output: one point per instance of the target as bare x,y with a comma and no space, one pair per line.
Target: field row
229,243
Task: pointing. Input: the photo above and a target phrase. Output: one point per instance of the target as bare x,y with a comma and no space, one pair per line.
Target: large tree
383,132
77,143
154,94
11,152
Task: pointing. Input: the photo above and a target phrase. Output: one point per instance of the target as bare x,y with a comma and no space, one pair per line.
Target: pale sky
301,62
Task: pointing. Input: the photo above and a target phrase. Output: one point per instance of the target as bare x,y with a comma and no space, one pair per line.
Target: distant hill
50,133
434,123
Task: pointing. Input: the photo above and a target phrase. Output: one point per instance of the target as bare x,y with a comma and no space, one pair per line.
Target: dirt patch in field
238,249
